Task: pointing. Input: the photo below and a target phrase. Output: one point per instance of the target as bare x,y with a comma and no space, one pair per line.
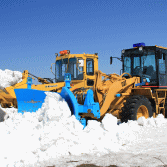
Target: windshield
62,67
138,64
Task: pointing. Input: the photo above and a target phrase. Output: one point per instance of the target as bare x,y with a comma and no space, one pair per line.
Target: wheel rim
142,111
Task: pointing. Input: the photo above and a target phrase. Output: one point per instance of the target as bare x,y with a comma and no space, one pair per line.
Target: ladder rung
161,98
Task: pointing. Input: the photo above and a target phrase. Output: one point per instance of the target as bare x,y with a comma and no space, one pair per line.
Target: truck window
161,66
73,69
89,67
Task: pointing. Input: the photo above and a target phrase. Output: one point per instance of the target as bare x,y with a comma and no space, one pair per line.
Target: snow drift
52,132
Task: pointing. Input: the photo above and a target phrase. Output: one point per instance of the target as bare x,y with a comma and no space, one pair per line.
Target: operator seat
150,71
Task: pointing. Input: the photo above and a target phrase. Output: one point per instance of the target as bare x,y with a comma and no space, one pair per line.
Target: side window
89,67
127,65
161,66
64,68
80,71
57,69
75,71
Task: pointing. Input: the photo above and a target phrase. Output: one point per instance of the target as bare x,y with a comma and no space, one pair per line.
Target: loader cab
147,62
82,68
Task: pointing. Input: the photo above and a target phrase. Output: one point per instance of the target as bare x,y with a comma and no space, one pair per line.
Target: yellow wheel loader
140,90
80,66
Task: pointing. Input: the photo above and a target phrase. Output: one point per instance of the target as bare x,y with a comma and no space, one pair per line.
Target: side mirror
110,60
159,54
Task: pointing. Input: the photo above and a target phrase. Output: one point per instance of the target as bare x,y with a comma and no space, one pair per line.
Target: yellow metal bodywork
105,91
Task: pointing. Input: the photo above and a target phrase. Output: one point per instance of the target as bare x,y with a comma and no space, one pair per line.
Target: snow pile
58,133
153,122
52,132
9,78
49,112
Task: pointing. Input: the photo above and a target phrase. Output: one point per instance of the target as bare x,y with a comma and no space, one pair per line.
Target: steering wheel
137,67
138,72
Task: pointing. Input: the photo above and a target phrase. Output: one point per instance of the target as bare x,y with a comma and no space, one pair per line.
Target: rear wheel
136,107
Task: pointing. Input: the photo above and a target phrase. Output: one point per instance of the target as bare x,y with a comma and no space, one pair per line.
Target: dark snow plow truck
139,91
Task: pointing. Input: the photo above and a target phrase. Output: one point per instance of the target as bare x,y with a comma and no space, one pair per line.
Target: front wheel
136,107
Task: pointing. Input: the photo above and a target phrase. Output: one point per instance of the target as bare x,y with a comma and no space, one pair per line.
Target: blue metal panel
76,108
139,84
29,82
29,100
70,99
67,79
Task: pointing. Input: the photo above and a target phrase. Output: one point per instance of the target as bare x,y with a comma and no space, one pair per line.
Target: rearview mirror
110,60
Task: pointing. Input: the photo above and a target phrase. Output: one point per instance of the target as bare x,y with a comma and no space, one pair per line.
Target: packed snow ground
51,136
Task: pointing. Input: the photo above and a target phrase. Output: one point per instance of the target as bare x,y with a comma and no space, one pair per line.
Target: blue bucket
29,100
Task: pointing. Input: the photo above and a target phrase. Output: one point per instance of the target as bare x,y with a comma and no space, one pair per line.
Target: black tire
131,106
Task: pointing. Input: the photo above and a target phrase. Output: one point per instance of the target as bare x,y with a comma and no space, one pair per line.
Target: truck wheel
136,107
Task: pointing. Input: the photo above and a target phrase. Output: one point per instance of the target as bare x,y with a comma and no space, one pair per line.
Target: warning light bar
64,52
139,44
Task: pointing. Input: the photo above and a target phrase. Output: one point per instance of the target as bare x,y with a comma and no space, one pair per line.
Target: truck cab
146,62
82,68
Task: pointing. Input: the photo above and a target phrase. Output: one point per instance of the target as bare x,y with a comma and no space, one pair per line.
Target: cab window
89,67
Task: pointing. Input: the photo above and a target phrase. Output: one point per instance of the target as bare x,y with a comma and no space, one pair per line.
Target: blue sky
32,31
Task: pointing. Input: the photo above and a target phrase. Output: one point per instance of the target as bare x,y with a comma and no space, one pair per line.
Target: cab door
90,71
162,64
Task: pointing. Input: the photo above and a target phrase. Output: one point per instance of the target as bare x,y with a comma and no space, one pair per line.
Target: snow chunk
54,108
109,122
151,122
159,120
9,78
142,121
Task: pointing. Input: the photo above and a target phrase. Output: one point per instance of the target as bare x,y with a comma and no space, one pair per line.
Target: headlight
140,48
123,51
